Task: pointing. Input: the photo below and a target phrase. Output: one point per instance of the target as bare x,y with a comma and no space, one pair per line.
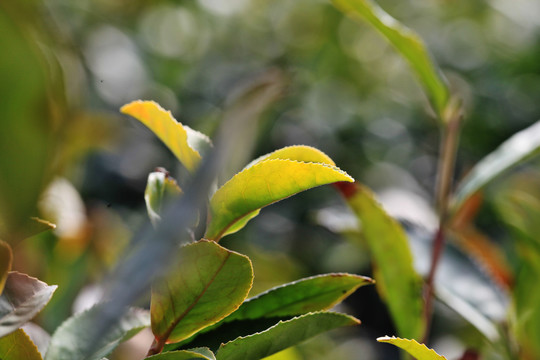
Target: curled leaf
23,297
260,185
183,141
160,187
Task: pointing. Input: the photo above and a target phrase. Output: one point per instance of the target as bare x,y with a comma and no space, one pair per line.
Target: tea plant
199,305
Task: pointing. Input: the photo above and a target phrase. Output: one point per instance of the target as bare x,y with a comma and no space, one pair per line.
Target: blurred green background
67,66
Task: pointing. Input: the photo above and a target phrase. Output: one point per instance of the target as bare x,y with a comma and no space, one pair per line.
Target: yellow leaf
17,346
297,152
263,184
418,351
180,139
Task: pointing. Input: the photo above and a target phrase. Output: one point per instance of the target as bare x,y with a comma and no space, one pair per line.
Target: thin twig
447,159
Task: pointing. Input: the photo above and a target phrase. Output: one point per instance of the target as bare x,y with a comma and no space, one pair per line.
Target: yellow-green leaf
5,263
160,188
395,277
207,283
418,351
297,152
407,42
263,184
180,139
18,346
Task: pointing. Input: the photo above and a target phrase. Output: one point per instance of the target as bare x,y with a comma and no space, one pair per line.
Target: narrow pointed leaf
311,294
5,263
160,188
197,353
35,226
18,346
418,351
395,278
23,297
70,340
263,184
520,147
301,153
282,335
208,283
183,141
407,42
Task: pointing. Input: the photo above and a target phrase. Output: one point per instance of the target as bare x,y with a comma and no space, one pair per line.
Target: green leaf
315,293
518,148
23,297
282,335
18,346
396,279
36,226
407,42
184,142
207,283
263,184
418,351
160,188
30,119
70,340
5,263
197,353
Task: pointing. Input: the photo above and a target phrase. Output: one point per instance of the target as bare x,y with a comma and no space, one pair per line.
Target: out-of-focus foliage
66,67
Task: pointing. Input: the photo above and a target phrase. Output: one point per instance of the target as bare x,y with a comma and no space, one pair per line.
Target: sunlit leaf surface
23,297
207,283
407,42
518,148
180,139
263,184
396,279
70,340
301,153
282,335
5,263
197,353
418,351
18,346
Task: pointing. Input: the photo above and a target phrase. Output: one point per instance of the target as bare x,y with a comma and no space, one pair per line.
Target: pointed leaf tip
262,184
183,141
417,350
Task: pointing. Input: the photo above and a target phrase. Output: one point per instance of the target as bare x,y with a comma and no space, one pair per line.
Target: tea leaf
282,335
518,148
5,263
207,283
263,184
301,153
197,353
23,297
18,346
407,42
418,351
70,340
315,293
160,187
184,142
396,279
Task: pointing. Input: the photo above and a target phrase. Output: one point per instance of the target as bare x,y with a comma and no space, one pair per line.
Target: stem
447,160
156,347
